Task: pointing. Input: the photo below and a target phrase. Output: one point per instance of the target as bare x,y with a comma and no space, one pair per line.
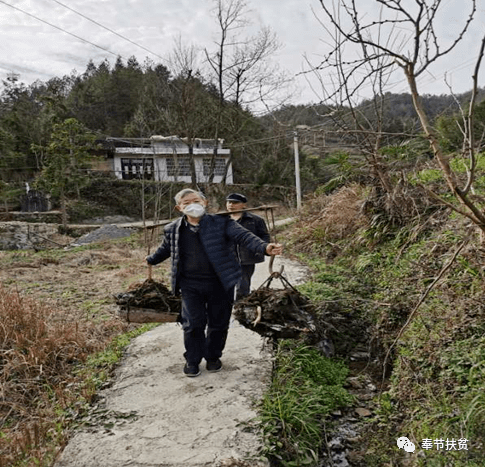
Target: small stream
344,437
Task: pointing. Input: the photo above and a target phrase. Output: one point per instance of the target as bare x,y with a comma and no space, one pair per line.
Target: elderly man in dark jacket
205,271
236,203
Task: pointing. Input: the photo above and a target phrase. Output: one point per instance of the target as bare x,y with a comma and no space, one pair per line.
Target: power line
60,29
79,37
243,144
110,30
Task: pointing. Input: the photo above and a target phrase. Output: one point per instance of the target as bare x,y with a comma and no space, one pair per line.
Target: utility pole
297,171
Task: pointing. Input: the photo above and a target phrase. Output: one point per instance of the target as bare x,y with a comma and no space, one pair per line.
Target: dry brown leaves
328,218
343,214
40,347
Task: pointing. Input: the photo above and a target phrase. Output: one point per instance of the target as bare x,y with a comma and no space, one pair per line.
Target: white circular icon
406,444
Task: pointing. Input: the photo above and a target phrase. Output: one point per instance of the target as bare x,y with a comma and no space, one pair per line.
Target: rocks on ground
106,232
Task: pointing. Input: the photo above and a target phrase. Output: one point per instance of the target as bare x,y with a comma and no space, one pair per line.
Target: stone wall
54,217
24,236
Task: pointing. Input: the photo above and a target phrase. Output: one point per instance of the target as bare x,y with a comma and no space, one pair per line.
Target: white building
166,159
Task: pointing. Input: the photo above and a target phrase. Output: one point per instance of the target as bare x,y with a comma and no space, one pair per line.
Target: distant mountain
397,108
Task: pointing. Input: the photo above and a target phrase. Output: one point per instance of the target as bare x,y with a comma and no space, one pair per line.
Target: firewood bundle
276,313
149,301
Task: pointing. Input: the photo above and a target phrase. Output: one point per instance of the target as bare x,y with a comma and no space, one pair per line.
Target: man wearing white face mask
205,270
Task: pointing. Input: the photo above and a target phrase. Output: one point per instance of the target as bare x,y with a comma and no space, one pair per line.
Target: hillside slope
415,284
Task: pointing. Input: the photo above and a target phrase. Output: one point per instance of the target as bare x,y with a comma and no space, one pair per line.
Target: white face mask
194,210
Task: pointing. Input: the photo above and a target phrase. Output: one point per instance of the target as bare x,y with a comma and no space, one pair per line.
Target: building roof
164,141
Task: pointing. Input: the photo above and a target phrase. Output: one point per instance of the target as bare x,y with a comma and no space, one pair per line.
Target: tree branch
470,127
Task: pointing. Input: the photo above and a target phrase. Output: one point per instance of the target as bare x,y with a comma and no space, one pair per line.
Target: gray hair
187,191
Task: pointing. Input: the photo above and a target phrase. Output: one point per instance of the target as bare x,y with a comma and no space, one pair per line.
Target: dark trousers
244,286
206,313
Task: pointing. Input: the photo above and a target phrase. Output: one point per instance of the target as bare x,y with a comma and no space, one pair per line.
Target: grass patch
114,351
305,388
94,308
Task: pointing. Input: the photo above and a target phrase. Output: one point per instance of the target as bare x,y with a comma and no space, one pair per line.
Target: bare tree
405,37
363,126
241,64
191,108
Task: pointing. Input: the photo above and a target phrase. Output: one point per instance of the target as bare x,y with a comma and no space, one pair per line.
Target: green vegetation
99,366
377,275
128,100
305,388
66,161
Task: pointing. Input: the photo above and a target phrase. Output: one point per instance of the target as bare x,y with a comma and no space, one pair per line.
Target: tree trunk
63,209
226,170
213,164
193,173
428,130
476,215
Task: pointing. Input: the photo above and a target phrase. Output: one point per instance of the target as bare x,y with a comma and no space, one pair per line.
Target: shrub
39,348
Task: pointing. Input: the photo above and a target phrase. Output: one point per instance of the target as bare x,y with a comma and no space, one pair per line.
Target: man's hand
274,249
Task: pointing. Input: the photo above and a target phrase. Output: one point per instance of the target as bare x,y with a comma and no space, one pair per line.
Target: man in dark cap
256,225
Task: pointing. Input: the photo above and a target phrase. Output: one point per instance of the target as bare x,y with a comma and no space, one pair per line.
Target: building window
178,167
219,167
137,169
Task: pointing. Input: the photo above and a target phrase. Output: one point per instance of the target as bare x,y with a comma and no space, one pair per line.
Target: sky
42,39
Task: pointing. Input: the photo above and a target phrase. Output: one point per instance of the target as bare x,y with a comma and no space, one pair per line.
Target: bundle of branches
146,302
276,313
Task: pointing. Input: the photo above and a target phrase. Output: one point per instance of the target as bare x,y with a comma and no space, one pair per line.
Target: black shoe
214,365
191,370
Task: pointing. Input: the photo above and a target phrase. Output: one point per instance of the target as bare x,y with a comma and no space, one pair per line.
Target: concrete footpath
153,415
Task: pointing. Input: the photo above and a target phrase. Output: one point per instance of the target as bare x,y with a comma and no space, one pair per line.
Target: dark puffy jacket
218,234
257,226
